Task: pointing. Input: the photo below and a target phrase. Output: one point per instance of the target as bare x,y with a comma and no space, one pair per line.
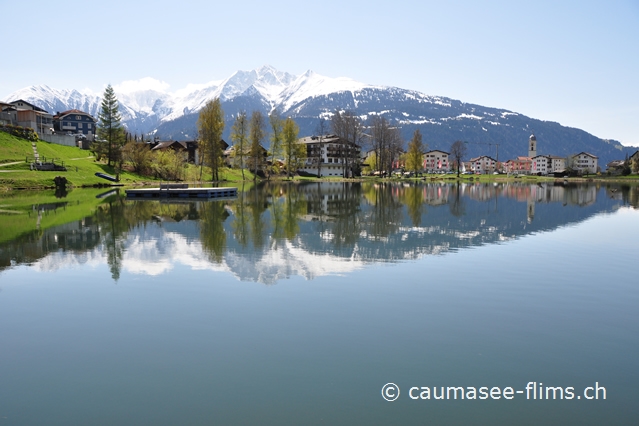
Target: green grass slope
15,154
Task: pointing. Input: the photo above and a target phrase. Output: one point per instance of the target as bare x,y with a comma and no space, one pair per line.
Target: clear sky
574,62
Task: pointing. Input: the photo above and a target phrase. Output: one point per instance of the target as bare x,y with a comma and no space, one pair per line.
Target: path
11,164
35,152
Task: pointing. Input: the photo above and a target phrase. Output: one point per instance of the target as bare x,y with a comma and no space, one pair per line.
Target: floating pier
181,191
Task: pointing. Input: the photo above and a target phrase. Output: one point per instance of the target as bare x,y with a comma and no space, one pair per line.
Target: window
78,117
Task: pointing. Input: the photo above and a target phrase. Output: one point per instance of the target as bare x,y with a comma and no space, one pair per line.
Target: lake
322,303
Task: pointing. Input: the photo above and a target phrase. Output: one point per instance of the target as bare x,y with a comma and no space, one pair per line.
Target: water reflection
276,230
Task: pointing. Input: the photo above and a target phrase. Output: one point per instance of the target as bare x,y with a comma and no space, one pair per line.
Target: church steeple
532,146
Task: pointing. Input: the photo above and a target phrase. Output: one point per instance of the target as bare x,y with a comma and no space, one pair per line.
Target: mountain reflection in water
275,230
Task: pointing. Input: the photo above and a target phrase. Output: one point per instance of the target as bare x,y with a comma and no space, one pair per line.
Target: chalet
25,114
436,161
330,154
76,122
585,162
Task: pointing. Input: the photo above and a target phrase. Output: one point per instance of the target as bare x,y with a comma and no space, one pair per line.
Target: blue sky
574,62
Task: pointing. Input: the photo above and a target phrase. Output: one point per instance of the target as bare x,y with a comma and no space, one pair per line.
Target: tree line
249,132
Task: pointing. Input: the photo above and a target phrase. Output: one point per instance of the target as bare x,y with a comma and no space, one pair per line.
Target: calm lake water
296,304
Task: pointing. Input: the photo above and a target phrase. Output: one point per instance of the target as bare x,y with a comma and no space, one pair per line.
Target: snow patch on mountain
311,84
147,102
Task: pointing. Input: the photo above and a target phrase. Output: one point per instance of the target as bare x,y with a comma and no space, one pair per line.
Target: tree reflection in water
377,221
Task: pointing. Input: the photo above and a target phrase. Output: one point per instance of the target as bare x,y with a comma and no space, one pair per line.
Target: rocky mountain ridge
147,107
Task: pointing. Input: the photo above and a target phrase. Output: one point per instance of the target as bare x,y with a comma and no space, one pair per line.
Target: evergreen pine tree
110,130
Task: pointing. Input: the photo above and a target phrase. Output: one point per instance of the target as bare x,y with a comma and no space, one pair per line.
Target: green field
81,167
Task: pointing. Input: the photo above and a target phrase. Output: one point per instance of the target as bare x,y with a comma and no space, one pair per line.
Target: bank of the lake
17,153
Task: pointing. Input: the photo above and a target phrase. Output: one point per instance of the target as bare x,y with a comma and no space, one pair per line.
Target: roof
482,156
325,139
437,150
616,163
316,139
586,153
35,108
167,144
550,157
72,111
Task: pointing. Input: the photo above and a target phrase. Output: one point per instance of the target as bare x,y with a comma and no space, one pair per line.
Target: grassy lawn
81,167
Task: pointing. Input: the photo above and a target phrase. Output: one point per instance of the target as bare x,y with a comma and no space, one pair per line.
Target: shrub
20,132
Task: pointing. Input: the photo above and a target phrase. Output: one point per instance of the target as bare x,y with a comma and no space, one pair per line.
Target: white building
436,161
547,164
483,164
585,162
558,164
330,155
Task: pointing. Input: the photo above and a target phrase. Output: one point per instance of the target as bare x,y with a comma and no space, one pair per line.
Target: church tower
532,146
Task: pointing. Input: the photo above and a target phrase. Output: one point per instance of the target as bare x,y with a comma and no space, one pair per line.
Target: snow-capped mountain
147,106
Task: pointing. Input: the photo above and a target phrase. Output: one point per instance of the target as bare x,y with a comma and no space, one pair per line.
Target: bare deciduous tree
458,152
349,127
321,130
387,143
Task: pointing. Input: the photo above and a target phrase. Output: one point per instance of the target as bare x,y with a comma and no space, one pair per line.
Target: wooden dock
180,191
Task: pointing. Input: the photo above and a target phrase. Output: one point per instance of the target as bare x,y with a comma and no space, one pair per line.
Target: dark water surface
296,304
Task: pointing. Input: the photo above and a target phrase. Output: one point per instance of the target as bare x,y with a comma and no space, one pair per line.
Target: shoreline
632,180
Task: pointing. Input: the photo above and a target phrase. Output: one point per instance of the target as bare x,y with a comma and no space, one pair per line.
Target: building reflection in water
275,230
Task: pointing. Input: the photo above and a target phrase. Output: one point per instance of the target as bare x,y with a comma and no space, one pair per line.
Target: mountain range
150,109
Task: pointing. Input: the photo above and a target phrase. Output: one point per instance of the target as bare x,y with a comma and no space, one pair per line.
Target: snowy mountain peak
147,102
